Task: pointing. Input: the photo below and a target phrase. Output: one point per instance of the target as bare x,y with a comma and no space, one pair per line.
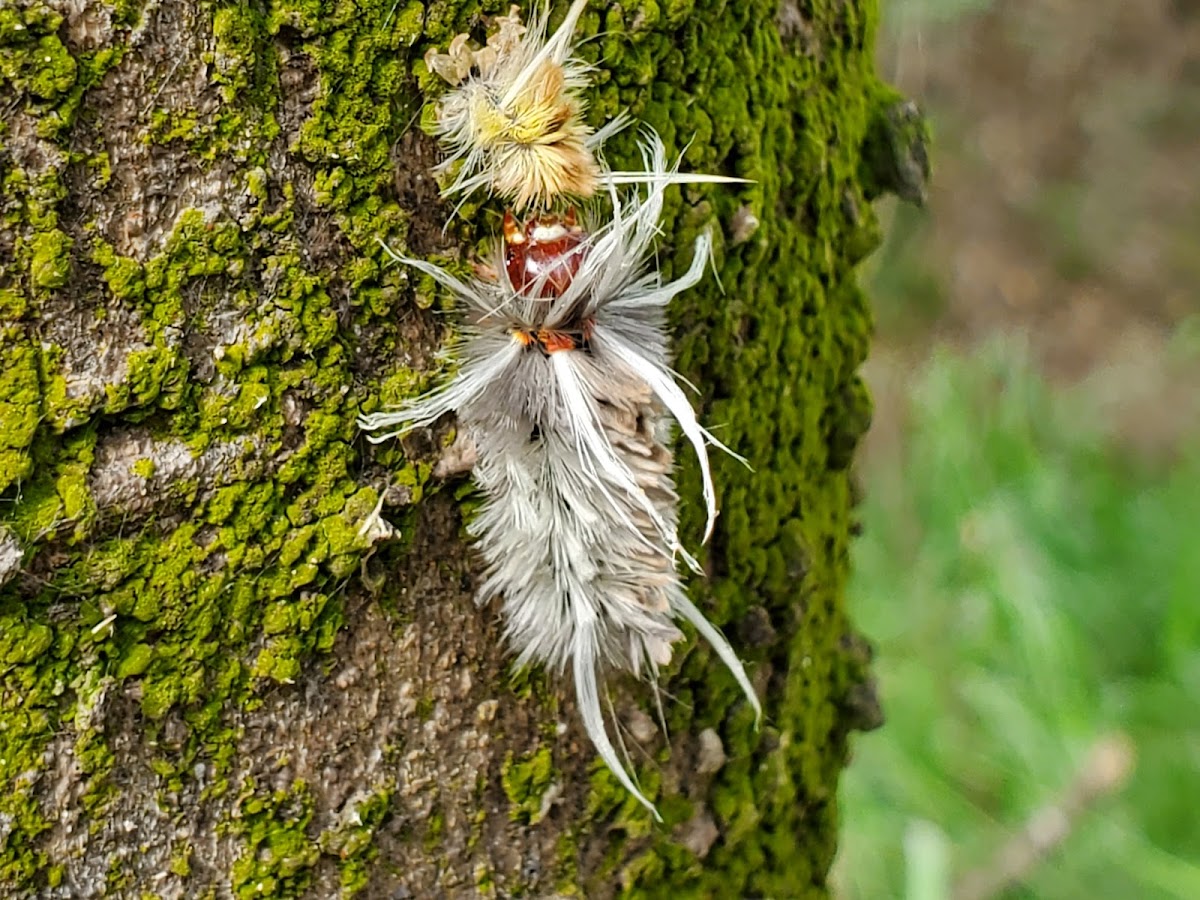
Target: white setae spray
564,384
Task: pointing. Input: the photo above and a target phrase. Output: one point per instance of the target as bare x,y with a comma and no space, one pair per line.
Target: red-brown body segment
546,250
545,254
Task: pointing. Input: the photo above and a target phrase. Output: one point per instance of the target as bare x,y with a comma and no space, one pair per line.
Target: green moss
528,683
91,68
236,29
56,502
181,861
101,167
351,841
244,65
12,304
525,783
24,650
435,824
19,645
895,156
167,126
280,857
124,276
365,101
136,661
566,857
147,373
50,259
20,404
32,58
485,881
423,710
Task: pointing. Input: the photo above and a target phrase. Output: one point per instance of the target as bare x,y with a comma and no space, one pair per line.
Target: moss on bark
216,673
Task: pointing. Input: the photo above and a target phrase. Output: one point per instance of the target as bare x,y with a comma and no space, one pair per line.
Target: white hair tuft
564,384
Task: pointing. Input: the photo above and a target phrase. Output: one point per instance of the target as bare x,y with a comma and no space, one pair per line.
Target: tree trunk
238,646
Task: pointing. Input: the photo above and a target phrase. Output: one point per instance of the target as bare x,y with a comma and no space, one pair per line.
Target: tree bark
238,647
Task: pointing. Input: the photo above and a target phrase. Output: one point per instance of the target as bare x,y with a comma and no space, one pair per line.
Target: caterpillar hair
513,120
515,115
565,386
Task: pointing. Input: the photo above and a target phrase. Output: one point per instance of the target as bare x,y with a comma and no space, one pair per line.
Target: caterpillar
564,384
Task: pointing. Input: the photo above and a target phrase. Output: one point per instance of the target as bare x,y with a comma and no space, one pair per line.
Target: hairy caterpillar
565,386
513,121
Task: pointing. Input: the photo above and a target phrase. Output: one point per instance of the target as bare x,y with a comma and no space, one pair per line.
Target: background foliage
1028,568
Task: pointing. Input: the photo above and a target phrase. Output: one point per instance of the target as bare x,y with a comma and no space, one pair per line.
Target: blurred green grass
1031,588
1030,566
